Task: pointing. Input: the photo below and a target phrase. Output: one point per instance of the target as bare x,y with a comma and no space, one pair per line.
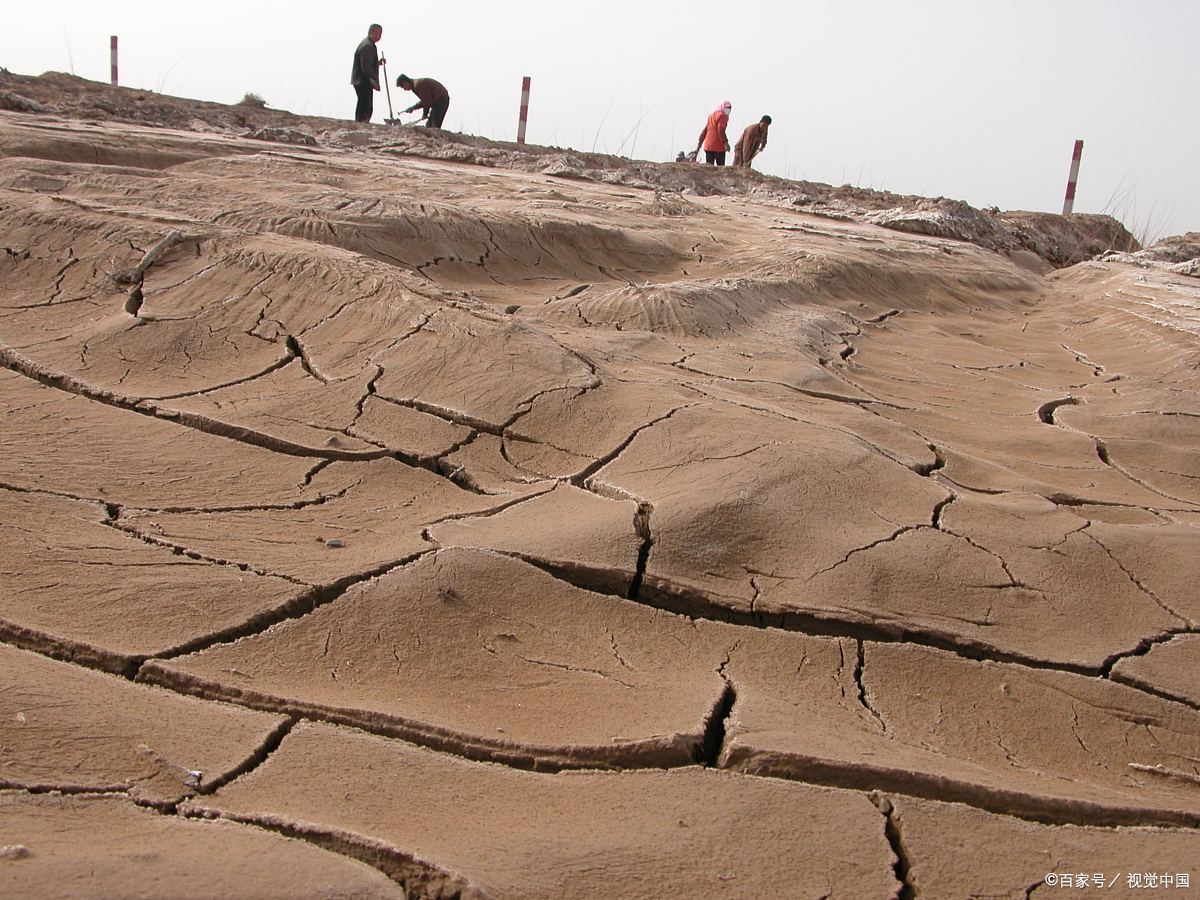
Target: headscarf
724,107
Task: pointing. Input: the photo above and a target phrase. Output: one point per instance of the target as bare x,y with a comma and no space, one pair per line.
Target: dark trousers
713,158
438,113
366,102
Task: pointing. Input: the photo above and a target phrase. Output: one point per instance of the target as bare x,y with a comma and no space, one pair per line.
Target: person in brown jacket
752,141
432,98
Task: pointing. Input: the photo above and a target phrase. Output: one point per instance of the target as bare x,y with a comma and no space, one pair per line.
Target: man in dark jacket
432,99
365,73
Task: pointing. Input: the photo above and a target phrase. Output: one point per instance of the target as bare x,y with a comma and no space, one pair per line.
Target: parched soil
386,513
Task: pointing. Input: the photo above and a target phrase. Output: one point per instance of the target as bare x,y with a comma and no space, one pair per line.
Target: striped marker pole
112,55
1069,202
524,110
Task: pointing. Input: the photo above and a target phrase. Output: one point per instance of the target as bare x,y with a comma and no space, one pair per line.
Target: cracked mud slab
77,588
58,442
477,370
751,498
1012,574
483,464
291,405
1004,737
571,834
1157,447
1171,669
957,851
873,429
72,730
51,849
566,433
589,538
484,655
406,429
379,519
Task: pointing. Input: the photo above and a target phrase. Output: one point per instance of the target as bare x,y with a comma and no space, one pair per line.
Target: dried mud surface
385,516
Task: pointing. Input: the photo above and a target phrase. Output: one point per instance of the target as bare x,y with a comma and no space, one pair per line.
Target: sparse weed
1148,228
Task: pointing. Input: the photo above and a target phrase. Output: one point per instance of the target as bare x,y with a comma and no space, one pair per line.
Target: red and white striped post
524,110
112,55
1069,202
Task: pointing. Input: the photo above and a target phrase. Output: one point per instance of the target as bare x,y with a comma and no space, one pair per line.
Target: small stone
15,851
334,543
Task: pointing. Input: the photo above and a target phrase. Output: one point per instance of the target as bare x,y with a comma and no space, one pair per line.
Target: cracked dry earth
376,526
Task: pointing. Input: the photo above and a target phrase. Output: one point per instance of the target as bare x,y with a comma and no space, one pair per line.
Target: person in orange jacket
713,139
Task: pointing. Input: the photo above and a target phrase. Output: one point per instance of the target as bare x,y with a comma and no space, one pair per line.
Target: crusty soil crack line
895,535
1102,453
864,698
881,318
709,751
66,650
581,478
295,608
257,757
1137,582
902,865
695,605
446,414
1137,683
320,500
806,392
1144,646
127,529
22,365
18,489
73,790
869,777
612,639
568,667
280,363
922,469
641,527
426,318
659,593
1013,582
298,351
606,581
416,877
1046,411
490,511
314,471
656,752
130,665
1082,359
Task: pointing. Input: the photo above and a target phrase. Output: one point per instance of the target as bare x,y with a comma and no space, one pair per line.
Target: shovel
391,119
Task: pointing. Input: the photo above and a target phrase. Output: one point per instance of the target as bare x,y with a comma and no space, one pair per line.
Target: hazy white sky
957,98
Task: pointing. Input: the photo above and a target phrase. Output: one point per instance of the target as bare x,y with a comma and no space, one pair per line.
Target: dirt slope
430,516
